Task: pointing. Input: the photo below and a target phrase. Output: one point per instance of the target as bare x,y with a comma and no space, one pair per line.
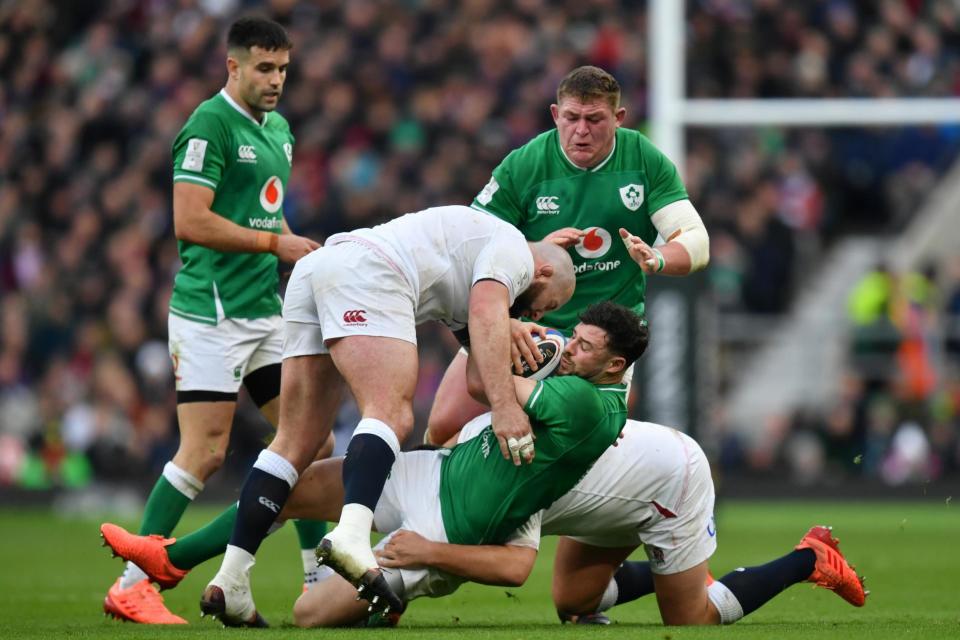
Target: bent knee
305,614
571,603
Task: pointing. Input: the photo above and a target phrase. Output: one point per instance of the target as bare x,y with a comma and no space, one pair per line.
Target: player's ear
620,114
555,113
233,65
616,364
544,271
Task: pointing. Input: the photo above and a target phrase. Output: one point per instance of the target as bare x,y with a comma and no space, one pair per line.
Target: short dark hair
627,333
254,31
587,84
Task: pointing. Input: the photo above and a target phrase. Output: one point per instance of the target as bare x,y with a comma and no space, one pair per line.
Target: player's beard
521,306
263,106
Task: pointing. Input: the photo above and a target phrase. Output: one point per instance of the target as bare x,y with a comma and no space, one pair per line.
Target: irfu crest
632,196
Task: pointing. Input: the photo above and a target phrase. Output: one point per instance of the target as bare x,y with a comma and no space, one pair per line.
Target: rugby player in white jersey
654,488
350,316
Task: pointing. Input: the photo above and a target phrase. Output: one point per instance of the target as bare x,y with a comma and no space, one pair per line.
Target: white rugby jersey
443,251
639,482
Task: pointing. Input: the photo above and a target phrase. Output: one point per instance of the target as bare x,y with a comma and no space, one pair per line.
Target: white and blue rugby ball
551,347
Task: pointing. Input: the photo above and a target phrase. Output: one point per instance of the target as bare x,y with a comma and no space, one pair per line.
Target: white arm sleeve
683,217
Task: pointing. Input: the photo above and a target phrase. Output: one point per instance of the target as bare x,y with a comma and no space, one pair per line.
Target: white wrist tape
683,217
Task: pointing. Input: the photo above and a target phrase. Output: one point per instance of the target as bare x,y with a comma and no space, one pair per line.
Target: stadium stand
399,105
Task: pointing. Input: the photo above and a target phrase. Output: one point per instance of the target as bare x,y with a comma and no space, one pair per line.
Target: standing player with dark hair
232,161
581,185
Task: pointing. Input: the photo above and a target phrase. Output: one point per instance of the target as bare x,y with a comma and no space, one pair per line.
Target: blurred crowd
896,412
395,105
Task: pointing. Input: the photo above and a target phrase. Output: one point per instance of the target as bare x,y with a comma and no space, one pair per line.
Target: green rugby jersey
539,190
484,498
247,164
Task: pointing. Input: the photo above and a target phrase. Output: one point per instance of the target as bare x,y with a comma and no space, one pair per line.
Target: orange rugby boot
147,552
832,571
140,603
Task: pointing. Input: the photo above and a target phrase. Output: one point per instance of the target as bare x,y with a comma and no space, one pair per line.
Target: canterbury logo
246,152
354,316
547,204
269,504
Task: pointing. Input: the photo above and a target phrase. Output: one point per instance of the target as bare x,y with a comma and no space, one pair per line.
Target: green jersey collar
563,153
621,387
244,113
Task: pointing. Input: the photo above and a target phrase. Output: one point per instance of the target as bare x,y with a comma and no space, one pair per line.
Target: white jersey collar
573,164
244,112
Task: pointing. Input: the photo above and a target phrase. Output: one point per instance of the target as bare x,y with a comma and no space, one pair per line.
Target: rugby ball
551,347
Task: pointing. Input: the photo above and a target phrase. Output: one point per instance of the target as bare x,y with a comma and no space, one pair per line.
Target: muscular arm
502,565
489,325
193,221
523,387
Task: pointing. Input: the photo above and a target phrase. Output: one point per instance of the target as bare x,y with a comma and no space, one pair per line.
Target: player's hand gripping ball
551,348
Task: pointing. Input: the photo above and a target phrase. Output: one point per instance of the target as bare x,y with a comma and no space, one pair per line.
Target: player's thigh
452,406
582,572
310,395
682,597
332,603
381,373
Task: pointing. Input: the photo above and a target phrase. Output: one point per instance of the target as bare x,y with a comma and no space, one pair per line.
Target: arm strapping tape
683,217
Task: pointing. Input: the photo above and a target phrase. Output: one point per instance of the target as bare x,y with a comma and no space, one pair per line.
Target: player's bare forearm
489,322
676,259
686,247
500,565
669,259
523,386
195,222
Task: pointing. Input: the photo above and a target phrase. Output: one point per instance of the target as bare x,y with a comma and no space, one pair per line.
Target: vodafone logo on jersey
595,243
271,195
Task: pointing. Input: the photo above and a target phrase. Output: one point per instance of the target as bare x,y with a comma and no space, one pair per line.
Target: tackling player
583,184
576,416
231,163
654,488
350,315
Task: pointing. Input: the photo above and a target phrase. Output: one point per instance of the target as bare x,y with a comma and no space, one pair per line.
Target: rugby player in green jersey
469,495
582,185
232,160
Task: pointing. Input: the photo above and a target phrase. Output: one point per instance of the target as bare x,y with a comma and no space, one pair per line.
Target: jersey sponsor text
265,223
606,265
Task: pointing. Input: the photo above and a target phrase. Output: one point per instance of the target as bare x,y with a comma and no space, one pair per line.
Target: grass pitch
54,574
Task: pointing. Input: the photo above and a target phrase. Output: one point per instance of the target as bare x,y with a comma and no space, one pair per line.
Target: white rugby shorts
347,289
410,500
653,489
217,357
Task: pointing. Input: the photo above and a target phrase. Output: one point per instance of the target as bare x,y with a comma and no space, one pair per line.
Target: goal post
671,111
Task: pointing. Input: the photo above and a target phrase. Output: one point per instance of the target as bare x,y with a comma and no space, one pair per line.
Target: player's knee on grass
332,603
574,600
682,598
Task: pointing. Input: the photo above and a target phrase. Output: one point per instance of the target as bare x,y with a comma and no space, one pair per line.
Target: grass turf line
54,576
